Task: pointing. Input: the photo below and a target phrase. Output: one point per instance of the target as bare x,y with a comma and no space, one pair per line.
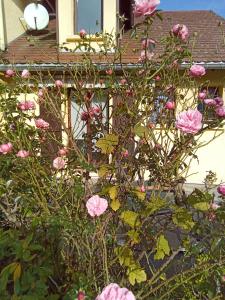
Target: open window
89,15
126,11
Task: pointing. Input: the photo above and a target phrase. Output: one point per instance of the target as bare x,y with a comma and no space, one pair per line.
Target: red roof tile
205,27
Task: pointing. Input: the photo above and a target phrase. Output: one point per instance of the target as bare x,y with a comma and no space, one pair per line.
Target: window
126,10
209,111
89,15
161,115
87,127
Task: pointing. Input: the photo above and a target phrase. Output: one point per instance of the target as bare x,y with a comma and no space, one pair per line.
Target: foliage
153,239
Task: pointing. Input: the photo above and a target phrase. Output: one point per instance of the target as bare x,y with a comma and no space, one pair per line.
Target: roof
205,27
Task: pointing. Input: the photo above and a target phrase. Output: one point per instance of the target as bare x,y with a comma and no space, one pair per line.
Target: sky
217,6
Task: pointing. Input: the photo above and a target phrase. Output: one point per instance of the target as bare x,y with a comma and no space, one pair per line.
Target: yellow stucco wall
210,157
12,12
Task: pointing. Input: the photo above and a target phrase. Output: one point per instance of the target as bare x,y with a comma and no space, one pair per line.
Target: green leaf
141,131
125,256
203,206
163,248
134,235
130,218
183,219
113,192
17,272
137,275
103,171
141,195
200,200
107,143
155,204
115,204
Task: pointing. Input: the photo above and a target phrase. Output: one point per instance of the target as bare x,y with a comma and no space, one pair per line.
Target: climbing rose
221,189
9,73
145,7
63,152
146,43
219,101
83,33
202,95
197,71
81,295
41,124
6,148
25,74
26,105
181,31
125,153
58,84
23,154
214,206
220,111
189,121
114,292
210,102
59,163
145,55
96,206
170,105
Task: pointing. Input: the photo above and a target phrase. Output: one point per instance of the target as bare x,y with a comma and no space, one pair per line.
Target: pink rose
96,206
41,124
214,206
181,31
84,116
210,102
41,93
94,111
6,148
59,84
63,152
197,71
147,42
125,153
83,33
157,78
109,72
9,73
123,81
25,74
170,105
219,101
81,295
202,95
145,55
26,105
145,7
221,189
59,163
23,154
189,121
142,189
220,111
114,292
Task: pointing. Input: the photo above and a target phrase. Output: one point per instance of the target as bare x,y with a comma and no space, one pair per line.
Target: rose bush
132,233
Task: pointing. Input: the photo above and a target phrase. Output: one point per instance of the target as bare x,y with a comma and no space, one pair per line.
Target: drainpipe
2,27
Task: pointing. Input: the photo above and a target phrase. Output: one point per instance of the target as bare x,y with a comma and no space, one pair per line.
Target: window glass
82,126
89,15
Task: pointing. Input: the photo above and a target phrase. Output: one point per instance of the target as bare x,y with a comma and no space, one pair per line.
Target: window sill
88,38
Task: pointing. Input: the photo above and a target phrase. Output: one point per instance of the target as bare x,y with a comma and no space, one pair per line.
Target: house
40,51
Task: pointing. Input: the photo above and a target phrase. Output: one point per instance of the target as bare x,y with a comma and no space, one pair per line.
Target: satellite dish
36,16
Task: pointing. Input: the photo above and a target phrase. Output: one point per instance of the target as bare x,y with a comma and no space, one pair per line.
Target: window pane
89,15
